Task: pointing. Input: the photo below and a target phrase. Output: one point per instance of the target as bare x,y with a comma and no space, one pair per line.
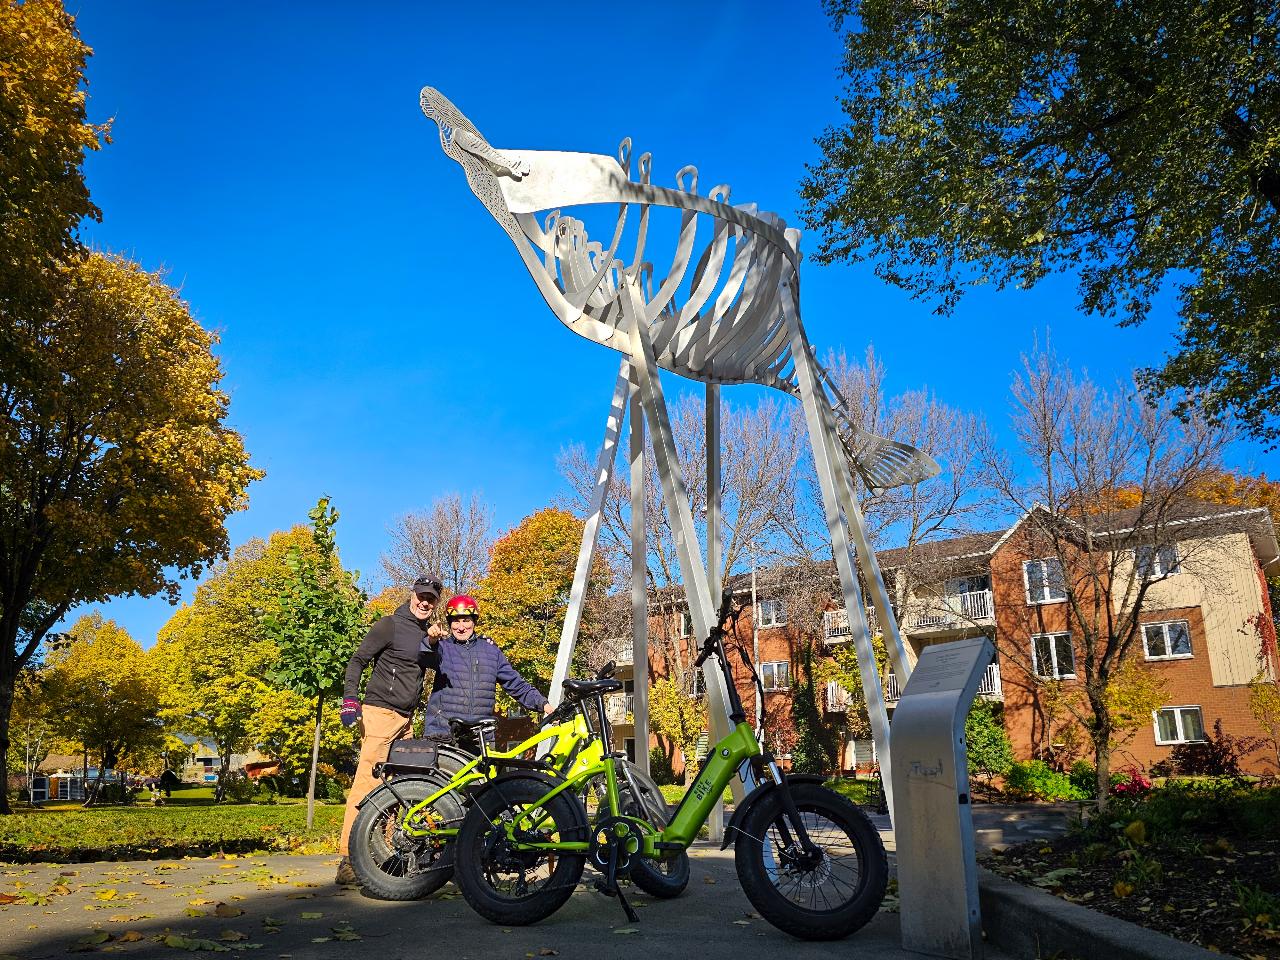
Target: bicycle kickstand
609,887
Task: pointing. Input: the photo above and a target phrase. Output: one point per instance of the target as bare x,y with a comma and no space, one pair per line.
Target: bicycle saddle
462,723
587,688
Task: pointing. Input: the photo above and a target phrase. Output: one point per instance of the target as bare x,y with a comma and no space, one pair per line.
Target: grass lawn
144,832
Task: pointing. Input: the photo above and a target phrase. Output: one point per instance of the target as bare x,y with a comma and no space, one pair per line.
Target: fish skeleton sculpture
723,323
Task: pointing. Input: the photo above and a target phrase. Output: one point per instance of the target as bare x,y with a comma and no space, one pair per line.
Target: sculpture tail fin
882,463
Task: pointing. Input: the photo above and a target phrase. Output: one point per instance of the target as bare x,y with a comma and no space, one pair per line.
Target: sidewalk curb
1027,922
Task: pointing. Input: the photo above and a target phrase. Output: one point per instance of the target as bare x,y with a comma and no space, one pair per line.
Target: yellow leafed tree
119,471
525,595
109,699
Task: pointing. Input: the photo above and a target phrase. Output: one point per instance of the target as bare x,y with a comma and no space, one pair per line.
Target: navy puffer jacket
466,674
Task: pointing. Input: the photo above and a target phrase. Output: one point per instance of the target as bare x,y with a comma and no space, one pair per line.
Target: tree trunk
92,795
220,791
6,710
315,760
1102,757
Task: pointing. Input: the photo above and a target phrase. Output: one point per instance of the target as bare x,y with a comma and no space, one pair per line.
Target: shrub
238,788
660,768
989,749
1217,756
1037,781
1224,807
1130,783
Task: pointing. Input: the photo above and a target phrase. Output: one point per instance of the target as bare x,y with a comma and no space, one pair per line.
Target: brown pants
381,728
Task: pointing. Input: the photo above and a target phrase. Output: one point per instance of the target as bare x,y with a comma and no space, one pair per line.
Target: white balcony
835,624
622,651
953,610
838,698
892,691
618,707
990,685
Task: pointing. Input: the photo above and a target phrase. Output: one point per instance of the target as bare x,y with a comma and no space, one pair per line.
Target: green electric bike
401,843
810,862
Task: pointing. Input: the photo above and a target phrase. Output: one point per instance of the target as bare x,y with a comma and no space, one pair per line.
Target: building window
776,675
1052,656
1045,583
686,624
1179,725
698,684
773,613
1156,562
1167,641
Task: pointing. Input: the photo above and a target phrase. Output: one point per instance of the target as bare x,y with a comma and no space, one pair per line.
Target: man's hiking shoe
345,874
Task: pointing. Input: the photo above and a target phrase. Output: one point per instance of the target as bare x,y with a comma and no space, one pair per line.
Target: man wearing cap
394,645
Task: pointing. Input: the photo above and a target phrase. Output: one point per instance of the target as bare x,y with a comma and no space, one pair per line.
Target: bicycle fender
756,795
388,786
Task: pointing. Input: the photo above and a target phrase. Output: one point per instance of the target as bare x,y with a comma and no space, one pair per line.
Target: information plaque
932,822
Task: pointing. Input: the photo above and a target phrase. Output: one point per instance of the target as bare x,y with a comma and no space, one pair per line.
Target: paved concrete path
286,907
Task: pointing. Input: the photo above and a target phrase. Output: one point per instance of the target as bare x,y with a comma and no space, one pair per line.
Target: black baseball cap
427,585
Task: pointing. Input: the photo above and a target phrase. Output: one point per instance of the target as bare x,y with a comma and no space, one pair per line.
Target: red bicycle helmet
462,606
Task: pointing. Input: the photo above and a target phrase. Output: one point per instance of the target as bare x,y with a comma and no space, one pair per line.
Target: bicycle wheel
664,877
511,886
389,863
813,898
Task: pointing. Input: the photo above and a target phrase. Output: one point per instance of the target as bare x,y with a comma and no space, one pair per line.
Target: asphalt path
287,907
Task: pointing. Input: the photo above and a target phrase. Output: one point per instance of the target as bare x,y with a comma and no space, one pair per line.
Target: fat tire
369,850
667,877
471,862
787,915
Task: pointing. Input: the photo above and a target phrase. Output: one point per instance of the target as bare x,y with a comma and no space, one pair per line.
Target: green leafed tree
1134,145
318,621
214,654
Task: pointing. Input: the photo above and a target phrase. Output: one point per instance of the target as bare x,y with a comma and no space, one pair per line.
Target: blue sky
381,342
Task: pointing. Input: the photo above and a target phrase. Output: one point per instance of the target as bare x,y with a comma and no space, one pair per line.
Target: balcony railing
892,692
835,624
838,698
990,685
618,706
958,608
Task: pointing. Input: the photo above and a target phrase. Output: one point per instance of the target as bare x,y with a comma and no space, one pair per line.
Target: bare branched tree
451,541
1105,480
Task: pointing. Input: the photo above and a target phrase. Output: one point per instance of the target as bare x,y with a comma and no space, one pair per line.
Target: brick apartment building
1203,623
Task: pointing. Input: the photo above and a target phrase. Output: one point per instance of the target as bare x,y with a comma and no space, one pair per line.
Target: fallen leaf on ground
627,930
131,936
232,936
226,911
311,915
108,894
8,898
548,952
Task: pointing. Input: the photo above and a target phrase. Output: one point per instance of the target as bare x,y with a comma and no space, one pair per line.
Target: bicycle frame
723,762
574,747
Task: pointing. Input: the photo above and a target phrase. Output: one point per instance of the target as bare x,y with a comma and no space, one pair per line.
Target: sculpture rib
730,327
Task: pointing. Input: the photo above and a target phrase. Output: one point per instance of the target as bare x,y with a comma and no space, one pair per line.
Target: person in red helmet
468,669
